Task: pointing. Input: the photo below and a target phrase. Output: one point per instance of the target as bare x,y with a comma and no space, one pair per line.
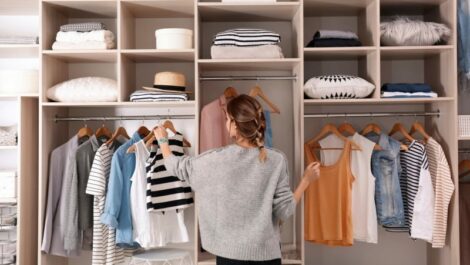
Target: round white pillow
85,89
337,87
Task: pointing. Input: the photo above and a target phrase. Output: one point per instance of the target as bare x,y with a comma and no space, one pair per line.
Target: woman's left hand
160,132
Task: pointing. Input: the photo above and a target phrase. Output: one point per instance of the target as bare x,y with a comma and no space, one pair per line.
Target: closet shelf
248,64
159,9
74,56
407,52
18,50
189,103
464,138
16,96
85,9
375,101
284,262
336,8
9,147
415,2
152,55
216,11
17,8
337,52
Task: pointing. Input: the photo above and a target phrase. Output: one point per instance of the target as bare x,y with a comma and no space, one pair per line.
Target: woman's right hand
312,172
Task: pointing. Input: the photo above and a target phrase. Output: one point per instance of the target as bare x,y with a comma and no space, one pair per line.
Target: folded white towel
89,45
96,35
254,52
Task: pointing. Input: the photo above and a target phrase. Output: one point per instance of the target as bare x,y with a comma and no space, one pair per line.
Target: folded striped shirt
150,96
243,37
164,191
83,27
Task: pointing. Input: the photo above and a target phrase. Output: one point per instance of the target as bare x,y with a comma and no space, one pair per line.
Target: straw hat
169,82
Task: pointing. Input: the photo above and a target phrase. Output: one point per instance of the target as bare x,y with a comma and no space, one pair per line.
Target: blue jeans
386,170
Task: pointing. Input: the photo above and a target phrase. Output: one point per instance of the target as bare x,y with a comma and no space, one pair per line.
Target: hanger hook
168,114
84,123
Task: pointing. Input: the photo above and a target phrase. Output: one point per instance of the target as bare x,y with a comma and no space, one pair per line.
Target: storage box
19,81
174,38
7,185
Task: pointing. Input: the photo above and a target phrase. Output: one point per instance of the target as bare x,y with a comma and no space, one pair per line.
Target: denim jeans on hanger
386,170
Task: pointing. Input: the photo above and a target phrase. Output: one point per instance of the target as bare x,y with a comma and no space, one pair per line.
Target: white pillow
406,32
85,89
337,87
8,135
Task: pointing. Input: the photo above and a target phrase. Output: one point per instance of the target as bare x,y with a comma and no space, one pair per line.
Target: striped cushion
246,37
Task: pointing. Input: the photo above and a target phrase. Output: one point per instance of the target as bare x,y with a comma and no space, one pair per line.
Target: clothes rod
379,114
127,118
221,78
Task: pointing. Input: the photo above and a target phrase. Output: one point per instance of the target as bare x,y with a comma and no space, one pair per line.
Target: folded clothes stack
84,36
407,90
19,40
153,96
334,38
246,43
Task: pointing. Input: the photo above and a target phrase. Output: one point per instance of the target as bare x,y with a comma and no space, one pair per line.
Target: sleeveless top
328,217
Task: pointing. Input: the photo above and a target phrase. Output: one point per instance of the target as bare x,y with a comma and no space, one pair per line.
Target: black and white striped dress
412,161
165,191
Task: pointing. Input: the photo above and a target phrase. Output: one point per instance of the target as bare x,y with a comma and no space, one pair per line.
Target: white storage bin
7,185
464,125
19,81
174,38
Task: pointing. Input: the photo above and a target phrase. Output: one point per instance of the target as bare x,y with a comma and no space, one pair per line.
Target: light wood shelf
174,104
74,56
159,9
248,64
19,50
212,261
247,12
12,147
154,55
85,8
372,101
337,52
408,52
19,8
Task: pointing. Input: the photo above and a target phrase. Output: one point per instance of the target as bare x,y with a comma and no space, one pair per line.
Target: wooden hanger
143,131
346,128
329,129
399,128
230,92
169,125
464,168
85,131
103,131
371,127
418,127
257,91
121,131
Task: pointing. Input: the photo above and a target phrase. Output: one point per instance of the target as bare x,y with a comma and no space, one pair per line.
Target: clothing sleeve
96,185
52,202
284,202
113,196
71,231
182,167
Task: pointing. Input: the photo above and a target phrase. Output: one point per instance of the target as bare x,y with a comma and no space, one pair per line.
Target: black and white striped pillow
337,87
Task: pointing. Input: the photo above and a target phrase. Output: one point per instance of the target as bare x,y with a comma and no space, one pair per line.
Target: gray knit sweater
240,199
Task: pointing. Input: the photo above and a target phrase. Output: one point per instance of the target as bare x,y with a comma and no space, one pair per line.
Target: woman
242,189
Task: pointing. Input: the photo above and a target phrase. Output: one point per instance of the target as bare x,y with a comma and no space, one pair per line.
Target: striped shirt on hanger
443,190
246,37
164,191
104,249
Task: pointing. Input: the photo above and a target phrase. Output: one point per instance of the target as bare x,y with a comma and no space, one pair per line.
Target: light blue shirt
268,133
117,211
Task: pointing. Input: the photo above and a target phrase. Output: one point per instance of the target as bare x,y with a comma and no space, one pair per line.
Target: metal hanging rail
371,114
255,78
127,118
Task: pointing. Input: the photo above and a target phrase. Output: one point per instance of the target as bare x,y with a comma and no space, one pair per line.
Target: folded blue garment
406,87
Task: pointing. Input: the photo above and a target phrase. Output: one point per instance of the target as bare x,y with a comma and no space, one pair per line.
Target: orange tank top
328,202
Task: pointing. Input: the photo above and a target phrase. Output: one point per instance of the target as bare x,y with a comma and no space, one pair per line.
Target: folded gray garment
18,40
256,52
83,27
334,34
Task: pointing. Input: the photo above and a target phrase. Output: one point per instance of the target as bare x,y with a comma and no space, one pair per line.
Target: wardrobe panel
57,13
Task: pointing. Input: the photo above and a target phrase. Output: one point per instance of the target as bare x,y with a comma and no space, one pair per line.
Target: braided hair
248,115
